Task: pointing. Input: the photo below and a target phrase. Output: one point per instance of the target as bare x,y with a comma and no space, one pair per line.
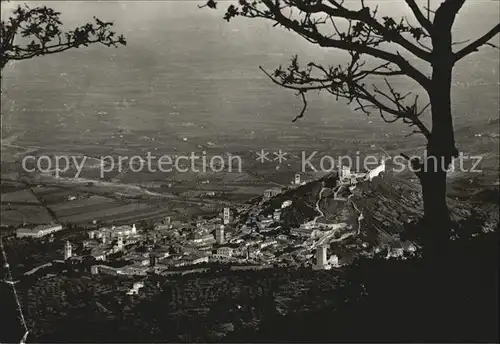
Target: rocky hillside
387,204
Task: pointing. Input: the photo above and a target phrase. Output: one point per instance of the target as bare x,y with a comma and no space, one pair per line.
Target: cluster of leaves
31,32
416,32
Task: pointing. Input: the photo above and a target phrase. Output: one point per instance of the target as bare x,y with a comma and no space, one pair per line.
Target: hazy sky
182,59
175,14
144,9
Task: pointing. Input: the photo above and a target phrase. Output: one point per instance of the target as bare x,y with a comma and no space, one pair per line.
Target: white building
97,269
268,193
296,180
227,216
167,220
94,269
163,226
191,259
412,248
302,231
131,270
120,243
309,225
348,177
395,252
67,250
116,231
38,231
345,173
219,235
225,251
282,237
206,239
135,289
376,171
321,256
334,261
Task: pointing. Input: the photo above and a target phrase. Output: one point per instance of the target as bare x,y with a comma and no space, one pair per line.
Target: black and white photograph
250,171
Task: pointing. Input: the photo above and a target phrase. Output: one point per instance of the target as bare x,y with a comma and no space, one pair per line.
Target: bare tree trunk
434,194
441,145
440,150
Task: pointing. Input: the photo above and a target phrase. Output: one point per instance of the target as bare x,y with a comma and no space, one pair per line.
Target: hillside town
242,238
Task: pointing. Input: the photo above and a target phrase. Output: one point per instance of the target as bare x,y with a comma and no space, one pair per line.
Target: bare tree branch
445,16
363,16
365,34
461,42
301,114
474,46
347,83
31,32
315,37
419,15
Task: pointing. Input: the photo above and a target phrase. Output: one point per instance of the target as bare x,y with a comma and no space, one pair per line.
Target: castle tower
297,179
227,216
120,242
321,256
345,172
67,250
134,229
267,194
219,235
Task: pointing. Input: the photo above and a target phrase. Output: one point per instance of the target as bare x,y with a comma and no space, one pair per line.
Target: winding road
320,197
328,236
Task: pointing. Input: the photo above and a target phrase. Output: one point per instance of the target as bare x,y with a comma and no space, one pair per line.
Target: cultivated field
21,196
17,214
102,213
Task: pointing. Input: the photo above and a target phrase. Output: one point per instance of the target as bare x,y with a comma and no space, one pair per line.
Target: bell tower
67,250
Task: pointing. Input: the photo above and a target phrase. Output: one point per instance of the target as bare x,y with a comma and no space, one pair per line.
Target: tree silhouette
37,31
392,47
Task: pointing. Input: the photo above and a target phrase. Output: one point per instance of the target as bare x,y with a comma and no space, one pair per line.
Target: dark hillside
449,297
